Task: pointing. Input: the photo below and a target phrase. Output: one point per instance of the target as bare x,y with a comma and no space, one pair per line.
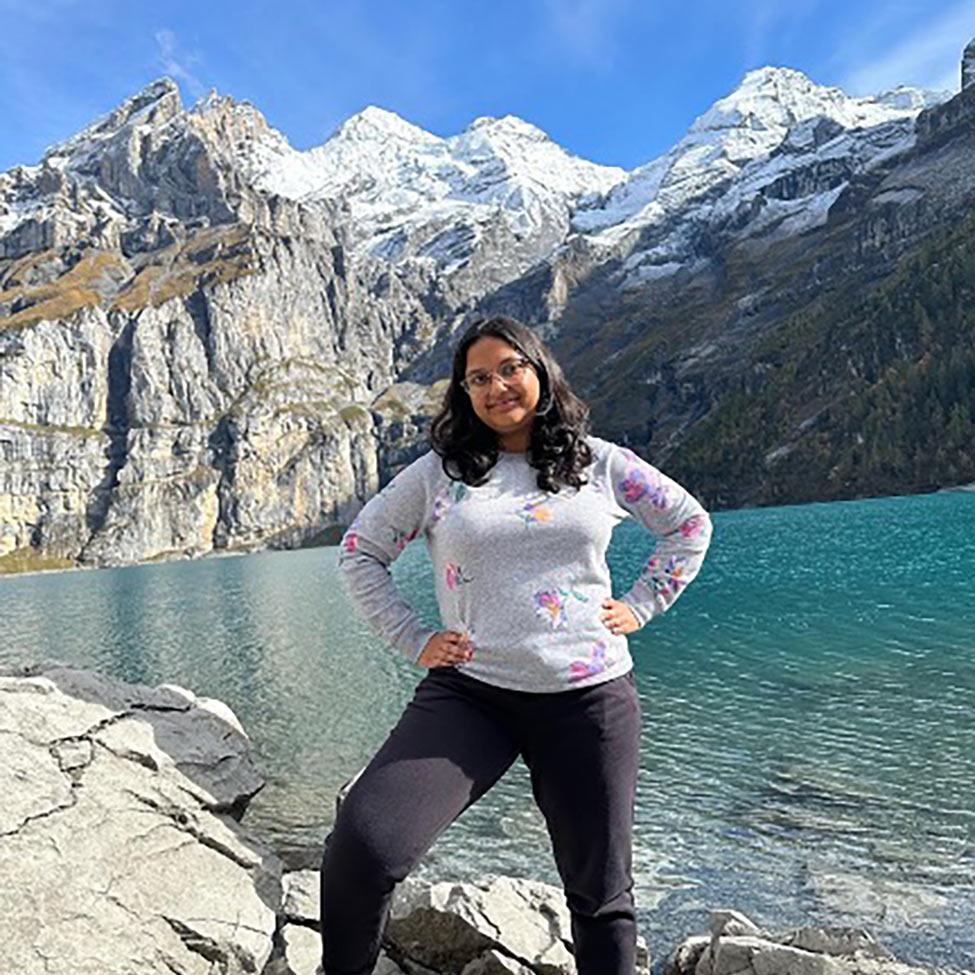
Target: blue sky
615,81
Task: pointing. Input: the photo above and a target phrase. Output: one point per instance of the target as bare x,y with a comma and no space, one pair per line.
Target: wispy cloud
587,30
928,58
177,64
770,25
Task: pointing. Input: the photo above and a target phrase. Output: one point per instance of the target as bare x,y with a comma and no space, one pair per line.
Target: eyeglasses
510,371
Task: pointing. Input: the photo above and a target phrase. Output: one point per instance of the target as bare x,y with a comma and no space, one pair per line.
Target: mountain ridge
212,341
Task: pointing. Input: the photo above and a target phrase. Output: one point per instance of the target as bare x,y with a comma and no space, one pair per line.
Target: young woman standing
517,503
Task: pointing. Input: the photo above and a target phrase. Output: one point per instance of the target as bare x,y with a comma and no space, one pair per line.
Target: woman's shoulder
600,447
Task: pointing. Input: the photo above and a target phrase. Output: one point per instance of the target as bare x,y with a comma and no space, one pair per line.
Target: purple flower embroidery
550,606
447,496
639,483
670,578
596,664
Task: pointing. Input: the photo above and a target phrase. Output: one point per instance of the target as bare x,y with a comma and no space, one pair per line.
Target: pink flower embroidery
640,483
401,539
454,575
550,604
596,663
695,525
670,578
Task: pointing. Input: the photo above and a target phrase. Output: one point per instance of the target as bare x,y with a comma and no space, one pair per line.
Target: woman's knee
368,840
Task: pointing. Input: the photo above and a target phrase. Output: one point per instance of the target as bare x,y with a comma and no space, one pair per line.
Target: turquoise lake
808,710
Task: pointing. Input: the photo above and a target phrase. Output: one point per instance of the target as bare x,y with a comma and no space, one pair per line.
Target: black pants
455,739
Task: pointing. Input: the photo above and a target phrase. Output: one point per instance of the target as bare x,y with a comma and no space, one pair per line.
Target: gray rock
112,856
493,962
725,923
302,896
447,926
495,921
738,945
303,953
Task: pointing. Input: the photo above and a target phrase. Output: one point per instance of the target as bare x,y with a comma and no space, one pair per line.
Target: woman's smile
505,404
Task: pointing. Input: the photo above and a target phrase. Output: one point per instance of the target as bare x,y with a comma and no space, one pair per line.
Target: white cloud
176,64
928,58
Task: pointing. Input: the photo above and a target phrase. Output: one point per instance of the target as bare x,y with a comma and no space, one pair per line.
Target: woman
517,503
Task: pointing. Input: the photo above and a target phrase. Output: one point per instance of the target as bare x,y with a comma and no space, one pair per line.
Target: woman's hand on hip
618,617
446,649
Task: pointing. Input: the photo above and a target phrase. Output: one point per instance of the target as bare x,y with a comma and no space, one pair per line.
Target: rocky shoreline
123,850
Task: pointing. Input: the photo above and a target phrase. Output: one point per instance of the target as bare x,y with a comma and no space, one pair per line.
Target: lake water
808,721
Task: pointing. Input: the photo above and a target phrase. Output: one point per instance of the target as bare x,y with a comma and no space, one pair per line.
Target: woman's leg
583,755
445,752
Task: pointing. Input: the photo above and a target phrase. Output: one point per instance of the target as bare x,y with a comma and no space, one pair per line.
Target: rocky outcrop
120,849
738,946
191,364
494,926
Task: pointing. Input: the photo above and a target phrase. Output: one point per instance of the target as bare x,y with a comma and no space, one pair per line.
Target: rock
495,921
448,926
725,923
738,945
116,853
301,896
303,954
687,954
493,962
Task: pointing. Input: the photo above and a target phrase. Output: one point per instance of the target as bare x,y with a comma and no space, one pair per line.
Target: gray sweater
523,571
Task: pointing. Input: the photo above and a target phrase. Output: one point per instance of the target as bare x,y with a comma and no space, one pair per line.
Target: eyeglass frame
522,362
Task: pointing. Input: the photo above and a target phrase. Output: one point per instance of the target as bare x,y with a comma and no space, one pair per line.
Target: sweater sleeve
382,529
673,516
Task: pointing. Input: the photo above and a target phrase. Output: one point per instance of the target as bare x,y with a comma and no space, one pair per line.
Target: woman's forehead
488,352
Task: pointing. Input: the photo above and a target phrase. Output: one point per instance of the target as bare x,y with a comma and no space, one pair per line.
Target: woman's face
507,407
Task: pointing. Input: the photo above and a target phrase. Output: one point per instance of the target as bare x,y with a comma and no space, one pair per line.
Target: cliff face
211,341
185,363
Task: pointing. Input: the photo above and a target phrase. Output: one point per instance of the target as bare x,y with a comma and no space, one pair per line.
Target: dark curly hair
469,448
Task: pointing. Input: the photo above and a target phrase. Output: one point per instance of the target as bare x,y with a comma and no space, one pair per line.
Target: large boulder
119,850
738,946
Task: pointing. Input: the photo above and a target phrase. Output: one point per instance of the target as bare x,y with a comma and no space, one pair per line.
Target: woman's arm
374,540
674,517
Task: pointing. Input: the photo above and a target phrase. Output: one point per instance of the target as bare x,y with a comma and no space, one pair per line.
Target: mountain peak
772,76
374,122
507,125
159,99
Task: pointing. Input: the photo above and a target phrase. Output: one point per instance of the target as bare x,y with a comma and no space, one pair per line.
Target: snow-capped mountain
203,331
415,195
775,123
